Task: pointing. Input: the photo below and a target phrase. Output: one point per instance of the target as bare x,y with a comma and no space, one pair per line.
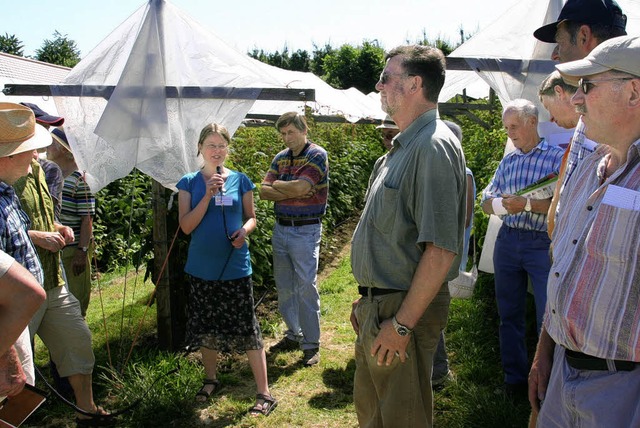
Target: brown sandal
203,392
269,403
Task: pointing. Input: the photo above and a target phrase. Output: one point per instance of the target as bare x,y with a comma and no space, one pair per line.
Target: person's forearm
268,193
292,189
85,231
429,276
20,297
191,220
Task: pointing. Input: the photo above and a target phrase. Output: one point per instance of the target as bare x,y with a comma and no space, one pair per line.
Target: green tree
357,67
61,51
11,44
319,54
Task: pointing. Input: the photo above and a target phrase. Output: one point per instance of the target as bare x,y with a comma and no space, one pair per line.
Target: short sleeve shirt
209,248
417,196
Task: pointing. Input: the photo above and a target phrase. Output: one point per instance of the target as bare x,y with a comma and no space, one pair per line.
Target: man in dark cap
581,26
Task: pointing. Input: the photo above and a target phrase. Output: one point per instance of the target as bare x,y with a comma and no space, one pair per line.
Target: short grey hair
524,108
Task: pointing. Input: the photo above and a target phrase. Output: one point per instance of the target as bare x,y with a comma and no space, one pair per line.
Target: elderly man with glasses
590,338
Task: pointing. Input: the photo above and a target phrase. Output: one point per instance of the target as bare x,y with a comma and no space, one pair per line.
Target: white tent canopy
140,126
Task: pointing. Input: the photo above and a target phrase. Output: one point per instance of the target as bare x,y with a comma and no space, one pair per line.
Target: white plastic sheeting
139,126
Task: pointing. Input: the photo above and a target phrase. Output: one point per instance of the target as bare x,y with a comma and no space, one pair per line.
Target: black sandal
100,418
269,403
203,392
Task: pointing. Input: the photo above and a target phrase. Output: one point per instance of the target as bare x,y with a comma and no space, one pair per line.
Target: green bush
123,226
124,220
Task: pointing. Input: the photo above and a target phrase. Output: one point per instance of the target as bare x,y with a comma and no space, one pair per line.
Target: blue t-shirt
209,247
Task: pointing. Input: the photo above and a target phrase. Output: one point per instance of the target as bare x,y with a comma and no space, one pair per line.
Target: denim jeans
296,250
590,398
519,254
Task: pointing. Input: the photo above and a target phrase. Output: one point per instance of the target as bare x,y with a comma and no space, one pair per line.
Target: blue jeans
519,254
295,266
590,398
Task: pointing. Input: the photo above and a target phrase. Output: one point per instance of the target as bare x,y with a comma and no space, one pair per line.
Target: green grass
319,396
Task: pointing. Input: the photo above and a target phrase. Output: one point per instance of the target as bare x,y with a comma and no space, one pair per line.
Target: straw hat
19,132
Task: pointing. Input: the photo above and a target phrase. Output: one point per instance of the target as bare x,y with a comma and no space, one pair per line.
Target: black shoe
285,345
311,357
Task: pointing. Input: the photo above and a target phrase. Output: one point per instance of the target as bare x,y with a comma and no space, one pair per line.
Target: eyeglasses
384,77
214,147
586,85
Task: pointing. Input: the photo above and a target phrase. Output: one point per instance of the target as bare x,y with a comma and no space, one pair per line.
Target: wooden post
160,250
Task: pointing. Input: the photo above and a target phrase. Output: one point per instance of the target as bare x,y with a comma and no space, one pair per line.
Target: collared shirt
36,201
417,195
580,148
518,170
14,238
53,177
77,202
593,293
312,165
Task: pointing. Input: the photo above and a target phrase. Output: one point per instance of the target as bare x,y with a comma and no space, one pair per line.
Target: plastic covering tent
140,126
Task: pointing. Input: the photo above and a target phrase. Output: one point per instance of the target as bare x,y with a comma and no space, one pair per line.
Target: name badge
223,200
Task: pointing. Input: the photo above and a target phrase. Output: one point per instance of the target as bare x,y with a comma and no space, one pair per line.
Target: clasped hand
513,203
389,344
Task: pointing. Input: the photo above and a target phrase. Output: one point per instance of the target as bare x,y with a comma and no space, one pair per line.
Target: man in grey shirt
406,246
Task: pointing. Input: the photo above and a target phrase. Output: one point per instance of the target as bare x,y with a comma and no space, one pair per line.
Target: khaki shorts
64,332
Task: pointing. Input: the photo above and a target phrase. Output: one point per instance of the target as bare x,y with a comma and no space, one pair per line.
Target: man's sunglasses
586,85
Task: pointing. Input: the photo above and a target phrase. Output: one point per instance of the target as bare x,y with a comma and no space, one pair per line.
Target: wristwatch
83,249
402,330
527,206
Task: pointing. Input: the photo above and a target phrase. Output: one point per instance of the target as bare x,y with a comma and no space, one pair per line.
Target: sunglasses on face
384,77
586,85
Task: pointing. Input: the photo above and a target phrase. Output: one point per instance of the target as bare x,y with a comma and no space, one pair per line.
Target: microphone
219,171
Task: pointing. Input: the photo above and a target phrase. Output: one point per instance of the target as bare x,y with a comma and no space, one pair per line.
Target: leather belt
580,361
296,223
366,291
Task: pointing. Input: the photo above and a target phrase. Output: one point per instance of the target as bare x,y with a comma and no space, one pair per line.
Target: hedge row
124,218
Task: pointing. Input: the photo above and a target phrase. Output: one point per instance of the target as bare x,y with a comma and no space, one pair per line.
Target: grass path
319,396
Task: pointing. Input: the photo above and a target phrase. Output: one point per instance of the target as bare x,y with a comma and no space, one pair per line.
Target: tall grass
320,396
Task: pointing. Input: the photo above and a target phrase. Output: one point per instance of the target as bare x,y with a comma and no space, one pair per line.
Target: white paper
622,197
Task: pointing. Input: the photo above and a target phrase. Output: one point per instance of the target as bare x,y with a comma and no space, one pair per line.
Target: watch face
402,331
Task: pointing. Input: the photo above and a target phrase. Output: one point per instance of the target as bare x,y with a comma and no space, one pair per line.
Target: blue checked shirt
14,239
518,170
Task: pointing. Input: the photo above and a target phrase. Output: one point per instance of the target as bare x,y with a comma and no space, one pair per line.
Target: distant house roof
16,69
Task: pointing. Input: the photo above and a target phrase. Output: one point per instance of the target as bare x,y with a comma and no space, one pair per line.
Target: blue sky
246,24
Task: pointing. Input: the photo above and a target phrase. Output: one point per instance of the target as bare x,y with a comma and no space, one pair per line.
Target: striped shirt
593,293
312,165
77,201
518,170
14,238
580,148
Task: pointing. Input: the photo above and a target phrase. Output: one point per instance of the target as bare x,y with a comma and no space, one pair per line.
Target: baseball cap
44,117
620,53
589,12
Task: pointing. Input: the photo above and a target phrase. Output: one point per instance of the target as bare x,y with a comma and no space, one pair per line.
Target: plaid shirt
518,170
593,293
14,239
580,148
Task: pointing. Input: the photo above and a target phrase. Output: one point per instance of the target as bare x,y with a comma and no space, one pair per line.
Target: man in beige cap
58,321
592,322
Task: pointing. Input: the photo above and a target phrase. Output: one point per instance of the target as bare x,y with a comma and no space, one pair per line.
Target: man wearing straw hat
58,321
